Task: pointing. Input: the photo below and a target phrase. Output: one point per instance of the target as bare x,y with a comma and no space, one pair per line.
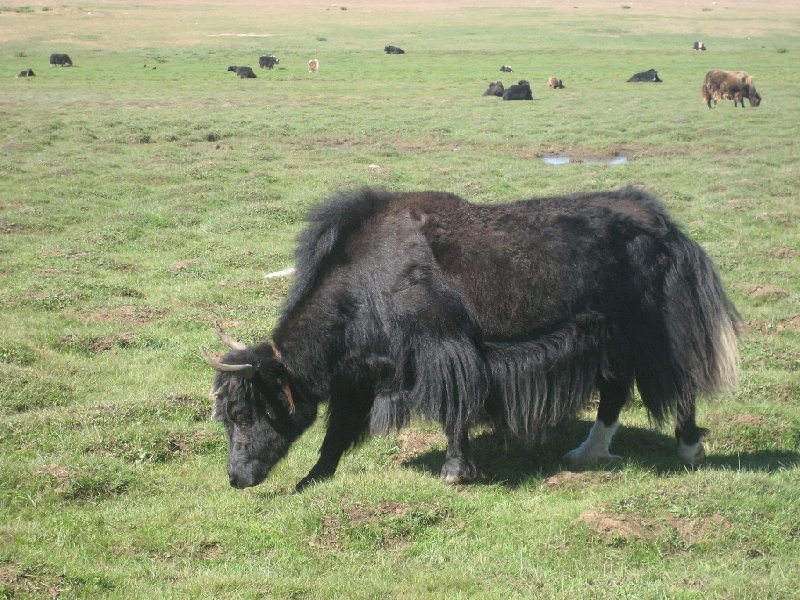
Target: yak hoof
583,455
457,471
692,454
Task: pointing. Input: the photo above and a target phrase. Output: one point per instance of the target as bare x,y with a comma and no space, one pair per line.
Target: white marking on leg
692,454
596,445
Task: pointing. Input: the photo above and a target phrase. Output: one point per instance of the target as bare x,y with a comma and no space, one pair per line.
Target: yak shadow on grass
513,464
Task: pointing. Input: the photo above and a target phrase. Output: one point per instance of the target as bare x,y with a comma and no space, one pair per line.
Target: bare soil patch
614,527
125,315
762,290
575,481
414,443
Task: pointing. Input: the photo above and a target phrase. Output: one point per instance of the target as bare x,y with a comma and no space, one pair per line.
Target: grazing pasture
145,193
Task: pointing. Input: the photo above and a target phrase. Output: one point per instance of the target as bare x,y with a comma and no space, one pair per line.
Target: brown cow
729,85
555,83
313,65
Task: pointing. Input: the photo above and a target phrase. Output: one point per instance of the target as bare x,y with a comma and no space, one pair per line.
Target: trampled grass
145,192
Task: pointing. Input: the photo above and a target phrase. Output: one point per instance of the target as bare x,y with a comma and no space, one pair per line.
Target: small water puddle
565,160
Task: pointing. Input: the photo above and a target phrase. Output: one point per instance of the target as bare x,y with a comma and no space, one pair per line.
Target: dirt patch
762,291
48,272
571,481
183,264
743,203
413,443
784,253
19,581
68,252
109,342
615,527
125,315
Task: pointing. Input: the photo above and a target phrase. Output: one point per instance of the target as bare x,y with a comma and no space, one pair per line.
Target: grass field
145,192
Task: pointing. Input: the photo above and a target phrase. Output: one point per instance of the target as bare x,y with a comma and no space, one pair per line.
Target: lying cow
243,72
26,73
393,50
506,69
699,46
555,83
729,85
267,62
645,77
60,59
495,89
519,91
424,304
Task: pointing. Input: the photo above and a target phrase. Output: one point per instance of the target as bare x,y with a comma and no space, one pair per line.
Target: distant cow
699,46
645,76
393,50
729,85
60,59
243,72
555,83
506,69
313,65
520,91
267,62
495,89
27,73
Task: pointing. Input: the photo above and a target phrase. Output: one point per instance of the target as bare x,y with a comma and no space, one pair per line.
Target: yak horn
228,340
246,371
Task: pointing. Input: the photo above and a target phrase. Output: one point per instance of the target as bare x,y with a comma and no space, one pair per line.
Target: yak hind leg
689,435
613,396
459,467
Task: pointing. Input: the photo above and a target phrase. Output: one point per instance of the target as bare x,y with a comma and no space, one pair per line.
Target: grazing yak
645,77
393,50
243,72
555,83
506,69
26,73
495,89
313,65
60,59
700,46
519,91
424,304
267,62
729,85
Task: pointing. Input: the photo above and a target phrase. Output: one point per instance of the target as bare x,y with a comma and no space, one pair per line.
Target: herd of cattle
717,85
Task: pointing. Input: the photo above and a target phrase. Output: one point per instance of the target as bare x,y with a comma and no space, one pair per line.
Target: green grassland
145,192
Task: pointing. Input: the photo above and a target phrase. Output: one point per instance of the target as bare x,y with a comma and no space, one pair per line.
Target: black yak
650,75
393,50
26,73
243,72
60,59
267,62
729,85
518,91
423,304
495,89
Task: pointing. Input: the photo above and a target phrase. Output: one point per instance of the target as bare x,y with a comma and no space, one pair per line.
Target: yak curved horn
247,371
228,340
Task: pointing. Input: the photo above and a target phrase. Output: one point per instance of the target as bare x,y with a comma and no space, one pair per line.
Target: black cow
495,89
421,303
60,59
645,77
519,91
393,50
700,46
26,73
243,72
506,69
267,62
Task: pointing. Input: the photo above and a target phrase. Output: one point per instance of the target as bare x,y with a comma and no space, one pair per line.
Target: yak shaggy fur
422,303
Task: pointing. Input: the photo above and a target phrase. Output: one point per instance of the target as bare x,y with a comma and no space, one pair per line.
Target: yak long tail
685,337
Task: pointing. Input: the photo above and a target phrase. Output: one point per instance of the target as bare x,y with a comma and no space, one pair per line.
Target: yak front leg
458,465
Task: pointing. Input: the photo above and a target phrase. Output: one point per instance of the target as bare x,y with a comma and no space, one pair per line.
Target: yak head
754,97
262,410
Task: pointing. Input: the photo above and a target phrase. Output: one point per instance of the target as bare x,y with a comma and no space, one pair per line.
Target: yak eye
237,411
